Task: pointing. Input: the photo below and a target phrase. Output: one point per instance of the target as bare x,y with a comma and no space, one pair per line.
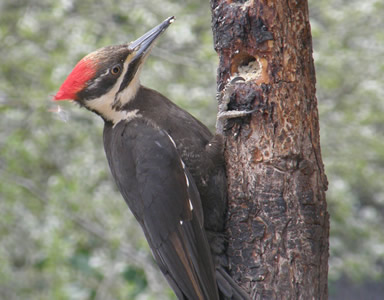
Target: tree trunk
278,225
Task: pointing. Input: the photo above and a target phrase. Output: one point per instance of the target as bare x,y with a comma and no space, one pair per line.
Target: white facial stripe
100,78
103,105
131,90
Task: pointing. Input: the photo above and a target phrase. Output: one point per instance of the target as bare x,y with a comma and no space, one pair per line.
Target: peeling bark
278,225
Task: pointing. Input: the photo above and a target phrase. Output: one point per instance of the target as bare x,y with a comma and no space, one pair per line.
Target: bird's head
108,78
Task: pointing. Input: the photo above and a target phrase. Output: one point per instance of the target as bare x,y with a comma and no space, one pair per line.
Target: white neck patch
129,115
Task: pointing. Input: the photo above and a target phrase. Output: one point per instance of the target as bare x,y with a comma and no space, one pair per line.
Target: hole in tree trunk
241,60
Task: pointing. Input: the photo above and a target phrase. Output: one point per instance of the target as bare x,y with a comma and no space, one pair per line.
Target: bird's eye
116,70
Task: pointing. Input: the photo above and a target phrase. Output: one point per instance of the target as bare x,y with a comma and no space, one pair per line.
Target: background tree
65,232
278,222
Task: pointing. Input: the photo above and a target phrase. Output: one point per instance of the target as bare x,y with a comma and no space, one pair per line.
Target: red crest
76,80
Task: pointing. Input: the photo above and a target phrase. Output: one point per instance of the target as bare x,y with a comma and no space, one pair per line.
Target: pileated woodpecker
167,166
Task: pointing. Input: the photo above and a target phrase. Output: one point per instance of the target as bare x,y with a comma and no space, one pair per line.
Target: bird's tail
228,288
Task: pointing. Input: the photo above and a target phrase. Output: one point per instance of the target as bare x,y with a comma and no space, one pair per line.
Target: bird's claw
224,98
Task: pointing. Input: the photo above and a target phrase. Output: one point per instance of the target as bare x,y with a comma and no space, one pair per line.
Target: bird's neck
112,107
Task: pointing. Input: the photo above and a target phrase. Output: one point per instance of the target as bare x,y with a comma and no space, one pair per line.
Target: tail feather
228,288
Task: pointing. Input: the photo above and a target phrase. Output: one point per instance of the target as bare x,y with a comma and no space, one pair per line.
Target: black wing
164,199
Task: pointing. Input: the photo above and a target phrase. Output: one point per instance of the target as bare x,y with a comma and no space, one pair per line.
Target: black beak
143,44
140,48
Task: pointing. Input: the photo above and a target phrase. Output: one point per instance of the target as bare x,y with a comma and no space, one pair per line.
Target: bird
167,165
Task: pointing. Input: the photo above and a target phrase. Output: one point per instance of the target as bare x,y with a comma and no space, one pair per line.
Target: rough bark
278,225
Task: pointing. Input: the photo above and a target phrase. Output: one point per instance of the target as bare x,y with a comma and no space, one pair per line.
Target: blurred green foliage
349,47
66,233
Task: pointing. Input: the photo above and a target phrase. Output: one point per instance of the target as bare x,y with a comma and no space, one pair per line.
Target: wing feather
159,190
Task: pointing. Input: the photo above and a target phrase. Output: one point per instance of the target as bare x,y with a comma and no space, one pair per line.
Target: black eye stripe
130,74
104,79
99,86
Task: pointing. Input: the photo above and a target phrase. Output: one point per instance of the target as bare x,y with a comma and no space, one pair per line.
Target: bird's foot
224,97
